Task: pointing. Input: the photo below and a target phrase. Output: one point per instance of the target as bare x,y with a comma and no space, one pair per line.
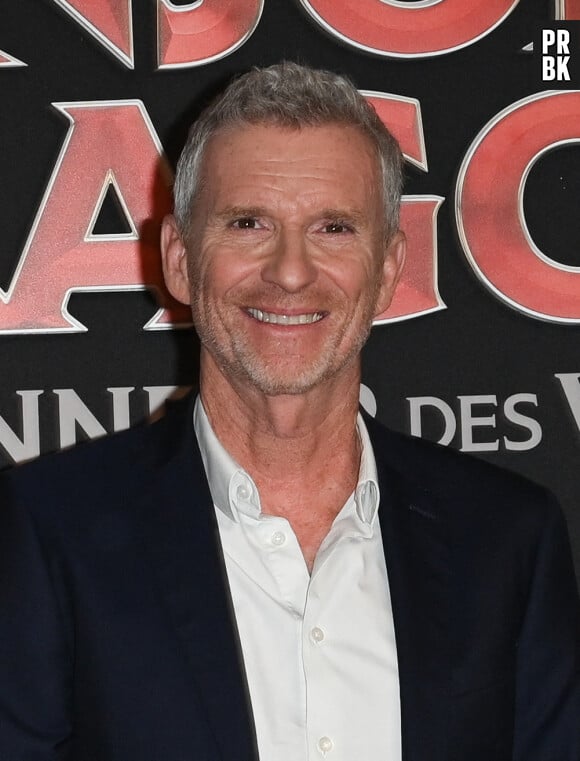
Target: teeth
285,319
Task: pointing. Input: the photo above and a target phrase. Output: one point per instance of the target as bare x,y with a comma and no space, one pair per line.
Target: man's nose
289,264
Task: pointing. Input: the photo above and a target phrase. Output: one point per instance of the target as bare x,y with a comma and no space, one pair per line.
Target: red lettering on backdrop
8,60
391,28
109,21
403,118
106,143
417,292
489,206
198,33
568,10
115,144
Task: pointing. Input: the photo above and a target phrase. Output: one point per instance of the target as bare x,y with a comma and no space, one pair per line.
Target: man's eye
337,227
246,223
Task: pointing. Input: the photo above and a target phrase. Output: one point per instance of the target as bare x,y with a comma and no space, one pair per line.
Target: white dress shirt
319,650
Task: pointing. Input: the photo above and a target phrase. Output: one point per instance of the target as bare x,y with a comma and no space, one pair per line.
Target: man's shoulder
100,471
462,485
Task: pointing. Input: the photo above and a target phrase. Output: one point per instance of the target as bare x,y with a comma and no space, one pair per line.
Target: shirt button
278,538
243,492
317,634
325,745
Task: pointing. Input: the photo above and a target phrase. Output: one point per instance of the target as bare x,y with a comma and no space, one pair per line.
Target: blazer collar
184,545
183,541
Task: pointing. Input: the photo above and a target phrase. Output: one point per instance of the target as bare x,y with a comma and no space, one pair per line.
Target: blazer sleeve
35,656
548,658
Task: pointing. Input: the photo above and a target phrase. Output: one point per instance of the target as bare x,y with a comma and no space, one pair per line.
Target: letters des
489,207
477,421
409,30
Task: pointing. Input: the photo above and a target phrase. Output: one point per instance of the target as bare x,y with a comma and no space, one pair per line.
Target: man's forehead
265,166
256,148
253,170
254,134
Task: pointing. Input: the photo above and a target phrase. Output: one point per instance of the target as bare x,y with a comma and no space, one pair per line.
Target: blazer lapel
417,559
184,544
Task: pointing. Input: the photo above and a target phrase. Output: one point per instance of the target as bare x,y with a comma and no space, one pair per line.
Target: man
264,573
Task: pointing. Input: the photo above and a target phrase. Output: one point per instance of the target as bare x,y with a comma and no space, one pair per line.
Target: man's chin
281,386
276,375
277,381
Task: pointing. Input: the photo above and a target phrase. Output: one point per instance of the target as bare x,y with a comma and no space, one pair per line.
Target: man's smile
290,256
285,319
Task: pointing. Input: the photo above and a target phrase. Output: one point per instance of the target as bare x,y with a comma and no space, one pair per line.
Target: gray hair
294,96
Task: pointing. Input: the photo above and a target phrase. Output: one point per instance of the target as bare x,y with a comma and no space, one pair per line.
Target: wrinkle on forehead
292,144
264,159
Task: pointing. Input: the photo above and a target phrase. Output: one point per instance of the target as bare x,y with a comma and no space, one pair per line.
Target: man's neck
302,450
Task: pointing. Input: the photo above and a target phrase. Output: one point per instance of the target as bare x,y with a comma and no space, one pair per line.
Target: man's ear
392,268
174,258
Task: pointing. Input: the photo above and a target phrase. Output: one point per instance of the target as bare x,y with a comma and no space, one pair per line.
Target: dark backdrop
482,349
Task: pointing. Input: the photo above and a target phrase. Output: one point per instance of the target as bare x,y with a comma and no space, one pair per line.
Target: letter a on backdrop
108,145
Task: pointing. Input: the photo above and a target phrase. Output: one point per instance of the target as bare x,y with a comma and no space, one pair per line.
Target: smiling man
292,255
266,573
286,259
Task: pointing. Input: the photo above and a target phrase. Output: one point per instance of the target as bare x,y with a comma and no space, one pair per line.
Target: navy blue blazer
117,640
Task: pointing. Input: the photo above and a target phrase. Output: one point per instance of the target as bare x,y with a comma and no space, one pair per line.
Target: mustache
276,297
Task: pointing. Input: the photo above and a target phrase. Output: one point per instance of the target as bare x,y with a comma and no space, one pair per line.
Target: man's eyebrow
356,216
239,212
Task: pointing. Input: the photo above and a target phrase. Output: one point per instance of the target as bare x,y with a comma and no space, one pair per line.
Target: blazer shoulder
99,473
462,484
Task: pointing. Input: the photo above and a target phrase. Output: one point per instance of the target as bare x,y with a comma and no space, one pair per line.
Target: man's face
286,257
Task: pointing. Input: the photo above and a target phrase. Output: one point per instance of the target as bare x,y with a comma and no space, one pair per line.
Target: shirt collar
233,490
367,490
